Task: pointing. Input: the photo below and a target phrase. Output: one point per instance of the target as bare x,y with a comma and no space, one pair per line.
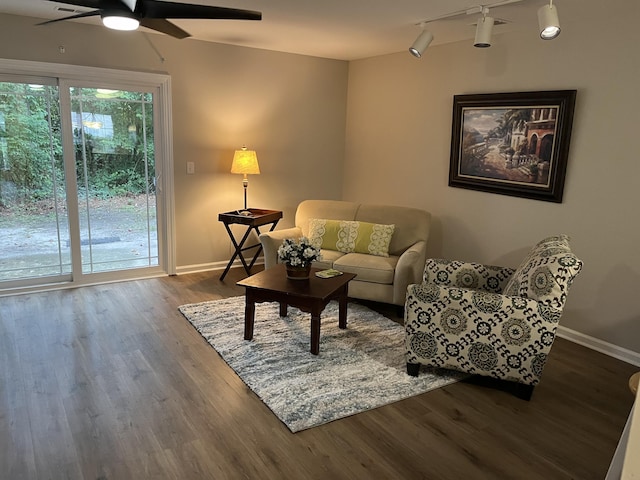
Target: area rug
358,369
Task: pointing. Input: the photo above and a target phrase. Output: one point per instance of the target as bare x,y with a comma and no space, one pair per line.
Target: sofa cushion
327,259
368,268
547,272
373,238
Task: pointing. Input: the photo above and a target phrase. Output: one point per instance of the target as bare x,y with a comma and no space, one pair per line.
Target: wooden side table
254,220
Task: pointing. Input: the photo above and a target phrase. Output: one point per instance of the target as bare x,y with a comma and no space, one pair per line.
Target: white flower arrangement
298,253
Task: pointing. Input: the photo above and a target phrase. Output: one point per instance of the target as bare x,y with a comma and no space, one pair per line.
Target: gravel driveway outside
119,238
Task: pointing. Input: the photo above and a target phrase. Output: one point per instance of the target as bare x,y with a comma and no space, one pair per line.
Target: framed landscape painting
512,143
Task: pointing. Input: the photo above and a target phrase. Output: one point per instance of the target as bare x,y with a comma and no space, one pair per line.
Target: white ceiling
338,29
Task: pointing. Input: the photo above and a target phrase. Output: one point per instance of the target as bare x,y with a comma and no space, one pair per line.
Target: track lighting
421,43
483,30
548,21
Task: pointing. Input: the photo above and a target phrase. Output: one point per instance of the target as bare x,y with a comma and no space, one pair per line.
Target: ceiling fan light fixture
548,21
120,21
421,43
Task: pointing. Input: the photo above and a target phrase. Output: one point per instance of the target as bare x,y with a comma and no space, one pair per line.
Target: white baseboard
600,346
202,267
206,267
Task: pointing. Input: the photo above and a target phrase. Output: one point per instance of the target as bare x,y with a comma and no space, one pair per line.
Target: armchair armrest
490,278
271,241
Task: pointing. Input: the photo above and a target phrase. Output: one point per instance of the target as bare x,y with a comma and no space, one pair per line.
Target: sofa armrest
490,278
408,270
271,241
505,337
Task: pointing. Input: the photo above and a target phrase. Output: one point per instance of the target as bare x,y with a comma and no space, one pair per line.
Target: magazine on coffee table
328,273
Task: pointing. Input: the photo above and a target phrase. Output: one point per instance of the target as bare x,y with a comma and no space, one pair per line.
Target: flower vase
298,272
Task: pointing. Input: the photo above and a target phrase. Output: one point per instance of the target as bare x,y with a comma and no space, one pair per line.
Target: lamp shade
246,162
548,22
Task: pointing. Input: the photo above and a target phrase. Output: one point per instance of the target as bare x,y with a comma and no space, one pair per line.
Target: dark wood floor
111,382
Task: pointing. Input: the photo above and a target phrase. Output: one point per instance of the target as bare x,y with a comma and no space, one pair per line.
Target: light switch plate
191,168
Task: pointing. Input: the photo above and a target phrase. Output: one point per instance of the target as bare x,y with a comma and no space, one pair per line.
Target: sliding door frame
160,86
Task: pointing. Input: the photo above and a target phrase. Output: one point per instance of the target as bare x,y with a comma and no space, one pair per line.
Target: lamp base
245,213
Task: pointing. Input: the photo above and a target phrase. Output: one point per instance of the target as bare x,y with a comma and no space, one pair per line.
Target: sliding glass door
80,200
34,227
114,161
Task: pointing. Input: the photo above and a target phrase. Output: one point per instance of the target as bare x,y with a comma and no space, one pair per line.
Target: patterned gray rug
358,369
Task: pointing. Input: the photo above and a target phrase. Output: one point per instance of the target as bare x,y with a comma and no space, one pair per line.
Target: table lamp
245,162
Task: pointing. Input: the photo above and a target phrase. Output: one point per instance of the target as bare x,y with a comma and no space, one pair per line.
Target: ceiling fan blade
164,26
153,14
80,15
95,4
100,4
158,9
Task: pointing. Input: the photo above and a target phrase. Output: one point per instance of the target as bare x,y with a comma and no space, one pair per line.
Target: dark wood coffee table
310,296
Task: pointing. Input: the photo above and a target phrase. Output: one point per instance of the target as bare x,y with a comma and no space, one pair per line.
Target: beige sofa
379,278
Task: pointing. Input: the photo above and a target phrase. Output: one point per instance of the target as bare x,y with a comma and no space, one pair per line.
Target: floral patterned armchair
487,320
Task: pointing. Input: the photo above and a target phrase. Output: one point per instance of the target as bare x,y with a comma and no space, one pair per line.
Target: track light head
548,22
483,32
421,43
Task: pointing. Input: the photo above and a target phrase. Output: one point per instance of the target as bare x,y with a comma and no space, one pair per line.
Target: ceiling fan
153,14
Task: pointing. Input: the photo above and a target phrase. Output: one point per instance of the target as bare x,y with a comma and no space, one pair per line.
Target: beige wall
289,108
398,143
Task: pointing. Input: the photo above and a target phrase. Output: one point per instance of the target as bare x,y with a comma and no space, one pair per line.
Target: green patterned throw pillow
332,234
373,238
350,236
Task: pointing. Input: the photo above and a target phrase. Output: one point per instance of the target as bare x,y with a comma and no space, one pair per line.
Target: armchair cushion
453,273
546,273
